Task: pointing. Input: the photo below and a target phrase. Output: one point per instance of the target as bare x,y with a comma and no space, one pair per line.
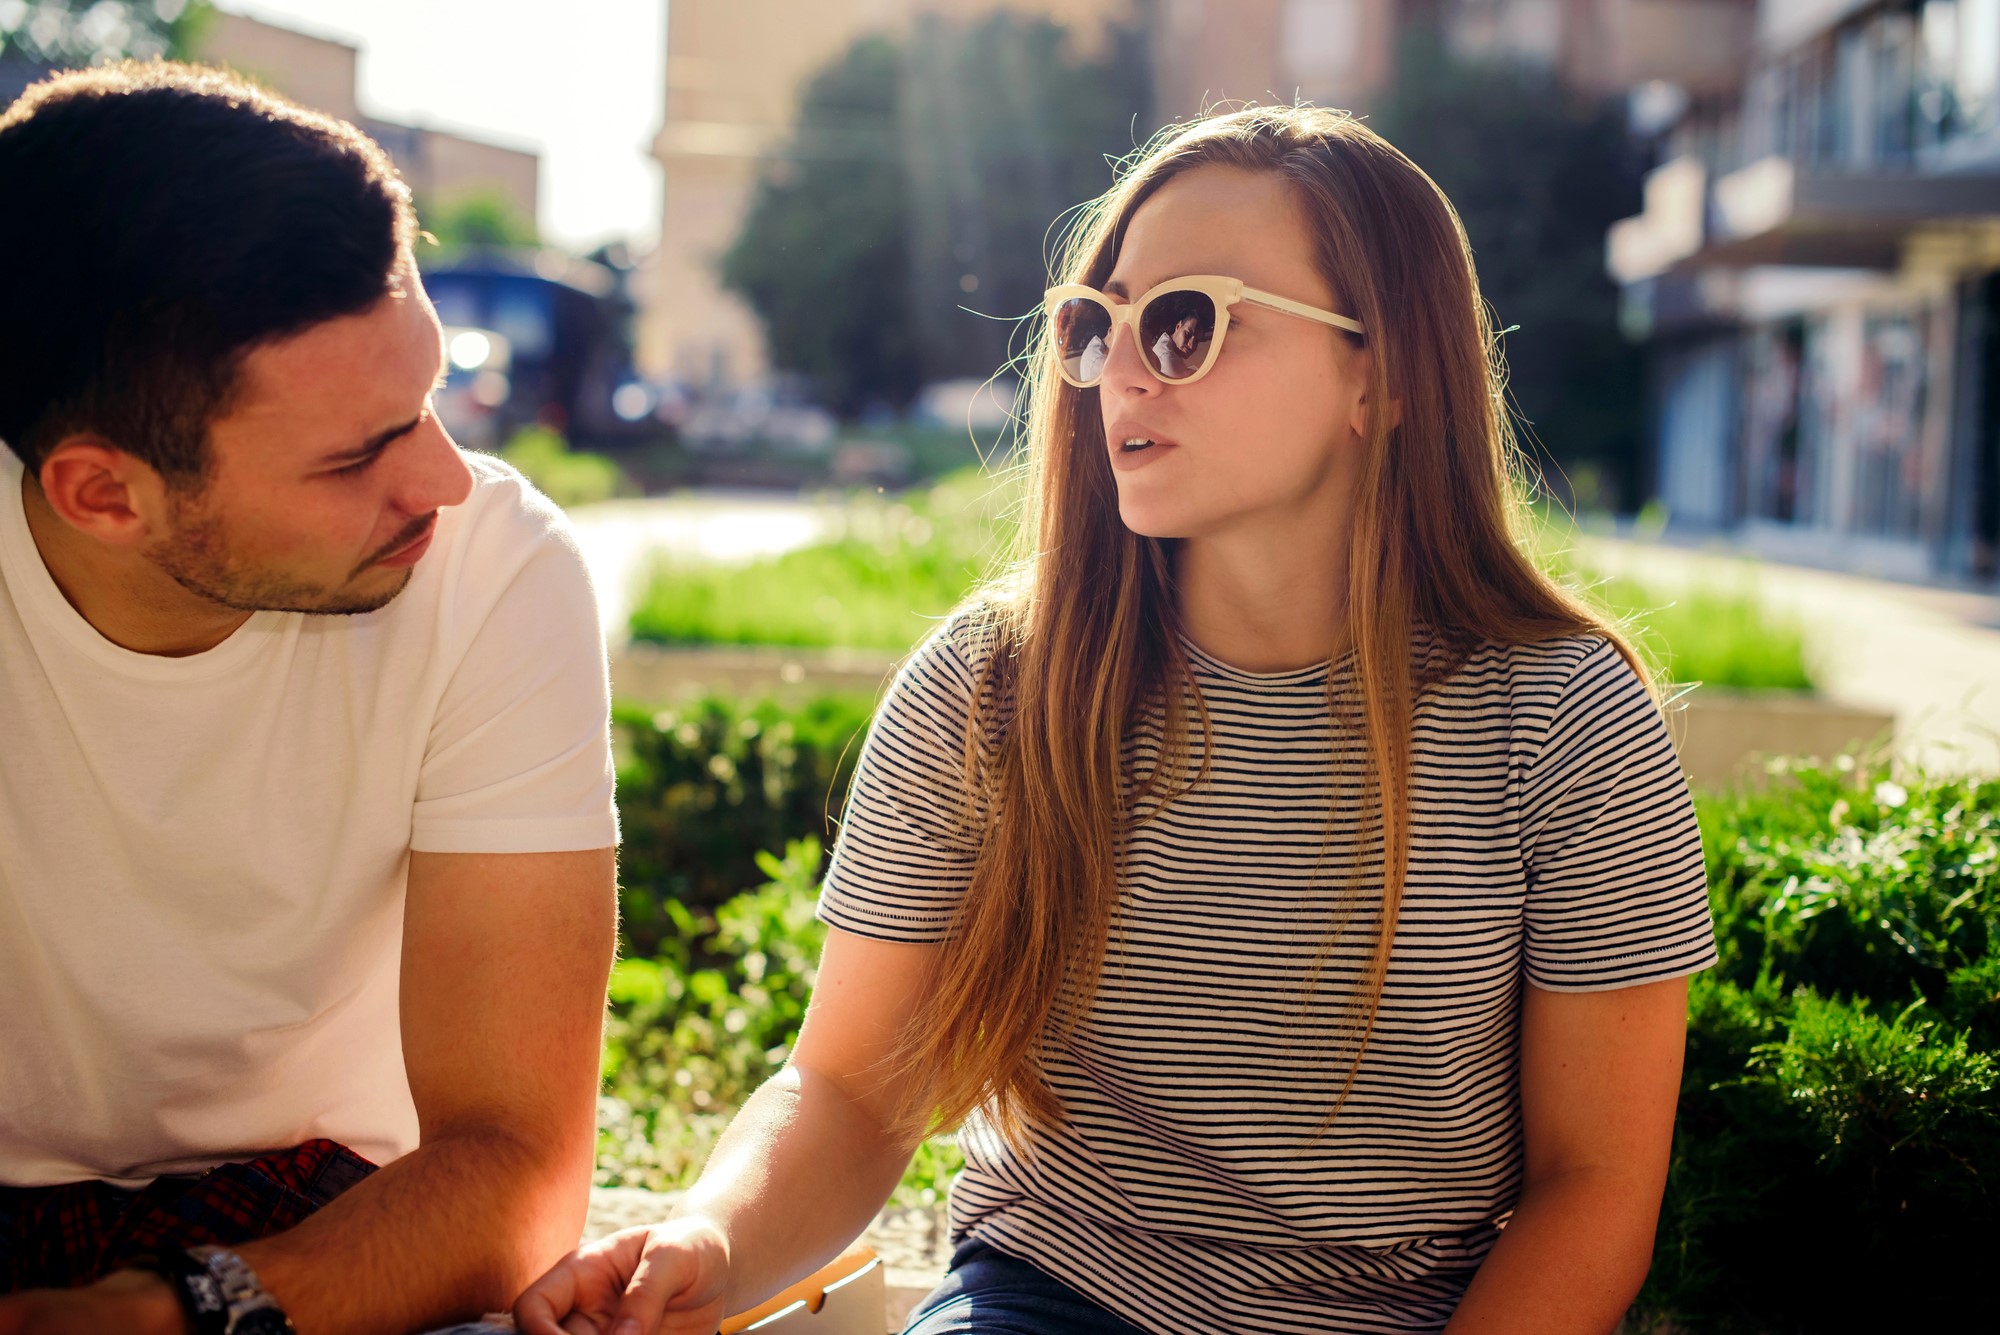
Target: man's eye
356,468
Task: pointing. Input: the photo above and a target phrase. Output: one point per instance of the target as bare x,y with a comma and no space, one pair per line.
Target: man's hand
662,1279
128,1301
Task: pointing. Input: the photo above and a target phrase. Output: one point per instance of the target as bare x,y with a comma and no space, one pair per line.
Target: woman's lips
1125,457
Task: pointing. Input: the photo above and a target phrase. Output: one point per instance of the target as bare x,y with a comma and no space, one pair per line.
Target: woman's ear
1364,411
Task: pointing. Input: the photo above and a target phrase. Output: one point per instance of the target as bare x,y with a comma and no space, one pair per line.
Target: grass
882,584
567,477
904,563
1710,635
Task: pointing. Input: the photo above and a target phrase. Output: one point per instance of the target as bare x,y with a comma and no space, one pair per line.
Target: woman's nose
1125,370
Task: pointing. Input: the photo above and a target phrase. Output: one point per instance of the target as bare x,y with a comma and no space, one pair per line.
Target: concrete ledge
1723,736
656,674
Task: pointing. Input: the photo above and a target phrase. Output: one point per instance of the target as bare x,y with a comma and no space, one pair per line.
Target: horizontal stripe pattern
1198,1184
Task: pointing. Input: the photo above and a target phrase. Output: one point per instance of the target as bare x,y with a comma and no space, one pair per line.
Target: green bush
1838,1151
567,477
703,787
698,1026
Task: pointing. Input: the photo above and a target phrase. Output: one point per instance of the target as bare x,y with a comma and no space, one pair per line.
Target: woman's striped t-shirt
1199,1185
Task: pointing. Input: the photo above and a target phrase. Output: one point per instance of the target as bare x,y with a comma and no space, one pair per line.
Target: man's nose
438,475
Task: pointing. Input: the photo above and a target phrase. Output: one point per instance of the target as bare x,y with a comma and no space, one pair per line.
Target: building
1817,275
321,73
734,72
735,69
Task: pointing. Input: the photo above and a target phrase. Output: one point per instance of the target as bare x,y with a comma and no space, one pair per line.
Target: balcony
1775,212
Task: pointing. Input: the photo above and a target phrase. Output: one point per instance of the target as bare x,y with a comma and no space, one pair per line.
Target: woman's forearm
1569,1262
801,1171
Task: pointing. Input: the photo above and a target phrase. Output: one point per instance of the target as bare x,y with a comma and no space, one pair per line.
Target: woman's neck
1269,598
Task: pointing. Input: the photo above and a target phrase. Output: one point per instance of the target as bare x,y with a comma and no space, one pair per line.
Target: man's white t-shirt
203,859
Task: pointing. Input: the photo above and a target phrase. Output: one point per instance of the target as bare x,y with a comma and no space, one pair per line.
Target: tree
923,177
1538,174
486,218
822,253
1006,127
70,33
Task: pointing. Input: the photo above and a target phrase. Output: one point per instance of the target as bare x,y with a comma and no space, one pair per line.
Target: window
1958,95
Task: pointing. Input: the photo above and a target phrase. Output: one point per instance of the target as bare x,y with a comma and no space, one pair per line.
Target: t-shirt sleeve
1617,889
519,755
911,832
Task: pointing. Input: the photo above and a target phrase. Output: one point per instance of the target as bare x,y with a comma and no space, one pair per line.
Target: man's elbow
543,1201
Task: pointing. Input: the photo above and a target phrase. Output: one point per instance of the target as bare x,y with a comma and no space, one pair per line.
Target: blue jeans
991,1293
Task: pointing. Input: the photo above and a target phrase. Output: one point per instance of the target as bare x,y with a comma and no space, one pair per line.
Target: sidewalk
1930,656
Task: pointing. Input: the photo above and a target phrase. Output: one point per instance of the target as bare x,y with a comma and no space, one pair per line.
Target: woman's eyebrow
1117,289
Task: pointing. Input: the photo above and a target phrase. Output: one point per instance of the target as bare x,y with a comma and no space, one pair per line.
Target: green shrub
697,1027
703,787
567,477
1837,1159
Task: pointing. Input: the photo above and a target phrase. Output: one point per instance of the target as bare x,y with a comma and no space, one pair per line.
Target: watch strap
247,1305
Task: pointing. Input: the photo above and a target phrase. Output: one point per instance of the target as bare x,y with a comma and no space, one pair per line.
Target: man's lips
409,550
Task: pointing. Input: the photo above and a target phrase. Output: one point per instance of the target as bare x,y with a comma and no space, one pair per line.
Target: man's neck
126,598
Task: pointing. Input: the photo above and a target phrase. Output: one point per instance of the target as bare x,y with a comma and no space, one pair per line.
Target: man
306,830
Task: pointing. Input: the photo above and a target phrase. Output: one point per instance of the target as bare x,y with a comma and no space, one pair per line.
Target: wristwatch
219,1292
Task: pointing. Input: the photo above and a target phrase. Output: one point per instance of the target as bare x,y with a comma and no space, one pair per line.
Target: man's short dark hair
159,222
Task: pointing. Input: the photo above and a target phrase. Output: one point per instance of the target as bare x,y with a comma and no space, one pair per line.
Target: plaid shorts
74,1234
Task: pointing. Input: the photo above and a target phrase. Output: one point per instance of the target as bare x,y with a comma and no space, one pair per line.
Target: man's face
325,477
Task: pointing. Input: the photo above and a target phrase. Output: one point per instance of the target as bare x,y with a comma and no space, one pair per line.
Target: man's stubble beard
197,558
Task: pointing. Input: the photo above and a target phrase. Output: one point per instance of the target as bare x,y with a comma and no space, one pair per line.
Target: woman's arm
800,1172
1600,1075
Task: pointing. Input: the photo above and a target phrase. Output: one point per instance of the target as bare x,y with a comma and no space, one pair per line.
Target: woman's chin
1155,517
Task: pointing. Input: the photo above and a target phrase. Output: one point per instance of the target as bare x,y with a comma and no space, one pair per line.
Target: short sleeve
912,829
519,756
1617,889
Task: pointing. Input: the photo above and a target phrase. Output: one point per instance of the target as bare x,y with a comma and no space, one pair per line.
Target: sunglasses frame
1224,292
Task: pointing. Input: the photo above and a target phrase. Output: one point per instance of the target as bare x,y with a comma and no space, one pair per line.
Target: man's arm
505,958
1600,1077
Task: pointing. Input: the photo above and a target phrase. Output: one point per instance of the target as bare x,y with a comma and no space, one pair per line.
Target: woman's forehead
1219,220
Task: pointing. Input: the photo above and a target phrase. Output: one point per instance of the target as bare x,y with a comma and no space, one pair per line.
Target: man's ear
105,493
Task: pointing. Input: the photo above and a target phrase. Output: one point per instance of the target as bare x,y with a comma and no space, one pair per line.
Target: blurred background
741,283
1747,250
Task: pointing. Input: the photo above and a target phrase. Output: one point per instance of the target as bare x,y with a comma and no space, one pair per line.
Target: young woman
1288,887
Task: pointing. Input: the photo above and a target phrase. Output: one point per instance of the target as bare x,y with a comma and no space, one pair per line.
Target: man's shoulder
503,499
501,529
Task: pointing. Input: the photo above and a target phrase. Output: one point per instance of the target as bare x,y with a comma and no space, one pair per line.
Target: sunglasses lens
1176,331
1083,338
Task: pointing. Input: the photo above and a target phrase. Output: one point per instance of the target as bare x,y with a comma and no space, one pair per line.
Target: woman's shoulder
955,663
1538,677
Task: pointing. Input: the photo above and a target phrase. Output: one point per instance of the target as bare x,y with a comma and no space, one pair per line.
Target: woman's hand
657,1279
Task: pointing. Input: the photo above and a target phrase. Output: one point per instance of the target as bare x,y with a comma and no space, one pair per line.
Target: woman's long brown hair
1087,631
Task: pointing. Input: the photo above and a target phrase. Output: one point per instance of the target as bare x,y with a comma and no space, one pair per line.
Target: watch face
266,1321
